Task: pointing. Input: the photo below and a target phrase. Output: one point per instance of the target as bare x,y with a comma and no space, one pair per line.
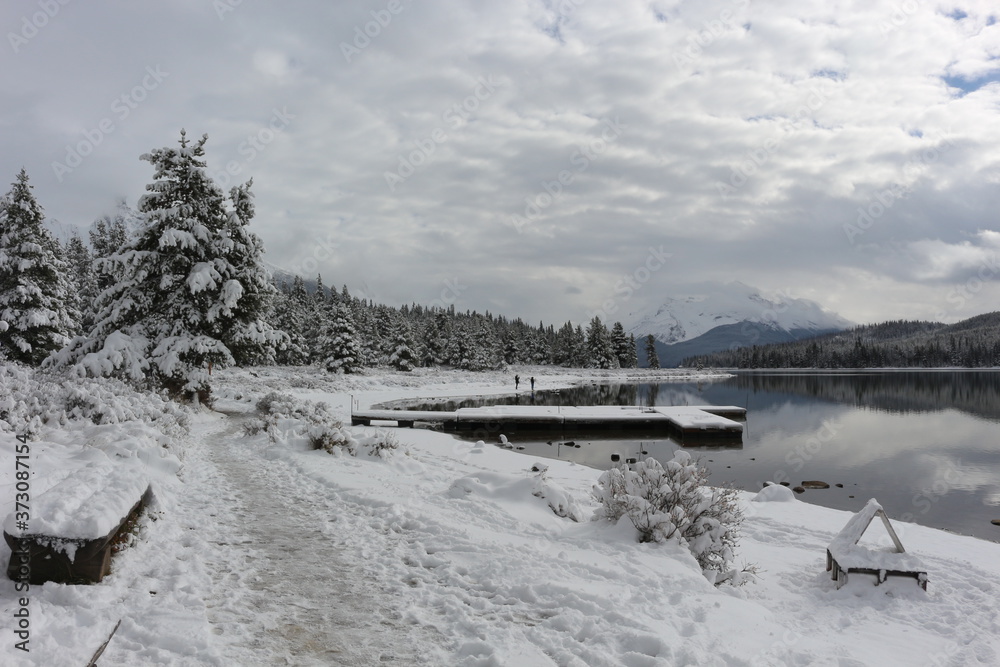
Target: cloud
752,138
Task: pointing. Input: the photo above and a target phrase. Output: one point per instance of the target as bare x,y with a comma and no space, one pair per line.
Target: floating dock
706,421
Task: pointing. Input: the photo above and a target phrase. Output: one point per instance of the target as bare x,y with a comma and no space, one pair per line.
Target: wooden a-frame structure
845,555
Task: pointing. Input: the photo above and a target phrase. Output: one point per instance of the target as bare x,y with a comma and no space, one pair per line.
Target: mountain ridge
973,342
701,307
708,317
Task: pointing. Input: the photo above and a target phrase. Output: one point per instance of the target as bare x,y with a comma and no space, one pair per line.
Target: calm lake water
926,444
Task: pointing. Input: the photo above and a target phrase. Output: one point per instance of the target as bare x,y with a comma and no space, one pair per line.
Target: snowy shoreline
466,565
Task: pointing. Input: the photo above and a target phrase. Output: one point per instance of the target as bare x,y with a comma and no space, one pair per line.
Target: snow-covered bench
72,526
845,555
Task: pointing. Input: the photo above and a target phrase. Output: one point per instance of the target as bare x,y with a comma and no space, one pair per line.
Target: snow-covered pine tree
179,300
511,347
435,339
403,357
458,348
366,333
320,295
80,264
287,315
580,352
620,345
108,235
36,296
562,346
652,358
337,345
601,354
633,353
248,291
486,351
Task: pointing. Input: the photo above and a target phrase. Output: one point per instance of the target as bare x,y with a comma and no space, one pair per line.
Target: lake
926,444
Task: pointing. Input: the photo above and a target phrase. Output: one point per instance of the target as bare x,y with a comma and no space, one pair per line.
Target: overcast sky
524,157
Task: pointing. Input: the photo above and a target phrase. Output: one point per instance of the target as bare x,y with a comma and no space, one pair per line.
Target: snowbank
470,554
458,534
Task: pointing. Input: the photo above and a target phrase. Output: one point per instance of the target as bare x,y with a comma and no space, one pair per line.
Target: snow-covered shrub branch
674,501
560,501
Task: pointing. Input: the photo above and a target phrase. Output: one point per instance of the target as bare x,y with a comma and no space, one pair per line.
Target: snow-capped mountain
64,231
706,317
701,307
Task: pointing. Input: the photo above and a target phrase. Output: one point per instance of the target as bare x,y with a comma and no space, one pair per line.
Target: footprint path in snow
285,591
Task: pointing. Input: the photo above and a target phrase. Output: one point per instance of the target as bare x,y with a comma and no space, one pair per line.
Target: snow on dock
703,421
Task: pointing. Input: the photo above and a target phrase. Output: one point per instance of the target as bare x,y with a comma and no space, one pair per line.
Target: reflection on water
925,443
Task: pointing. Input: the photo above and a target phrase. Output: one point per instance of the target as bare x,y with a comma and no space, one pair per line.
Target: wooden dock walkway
688,421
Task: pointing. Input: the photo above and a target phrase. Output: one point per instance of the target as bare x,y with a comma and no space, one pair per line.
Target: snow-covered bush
285,416
330,438
381,443
674,501
30,399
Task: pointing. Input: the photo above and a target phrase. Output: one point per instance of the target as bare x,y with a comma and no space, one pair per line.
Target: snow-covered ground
263,552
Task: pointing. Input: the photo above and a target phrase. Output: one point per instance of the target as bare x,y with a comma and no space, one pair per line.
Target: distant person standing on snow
517,381
532,383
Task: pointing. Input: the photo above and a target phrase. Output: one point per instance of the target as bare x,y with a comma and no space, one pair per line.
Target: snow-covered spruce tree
287,314
601,354
337,345
180,300
403,357
652,358
109,233
674,501
633,353
36,296
435,340
620,345
248,291
80,264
